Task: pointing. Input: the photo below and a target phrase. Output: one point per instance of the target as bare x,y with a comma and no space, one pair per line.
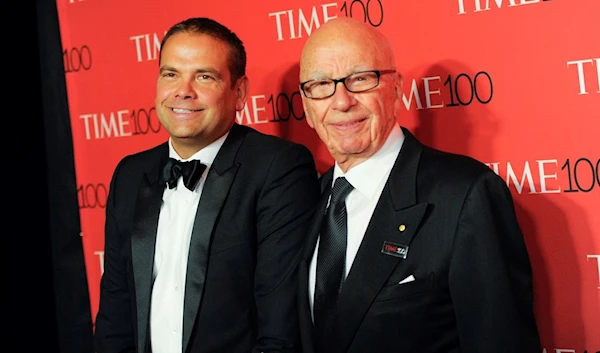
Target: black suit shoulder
445,168
145,159
264,144
451,165
267,153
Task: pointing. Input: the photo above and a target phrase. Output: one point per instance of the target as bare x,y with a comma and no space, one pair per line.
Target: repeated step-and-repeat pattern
512,83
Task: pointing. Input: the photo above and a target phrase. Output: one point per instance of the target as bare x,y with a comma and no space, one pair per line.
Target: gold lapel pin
402,228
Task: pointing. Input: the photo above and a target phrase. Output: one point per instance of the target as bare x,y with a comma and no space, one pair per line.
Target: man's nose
186,90
342,98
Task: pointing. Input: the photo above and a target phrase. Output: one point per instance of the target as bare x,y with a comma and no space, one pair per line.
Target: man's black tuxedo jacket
241,282
473,288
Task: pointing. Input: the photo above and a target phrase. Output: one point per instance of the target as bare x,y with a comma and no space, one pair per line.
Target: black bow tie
190,171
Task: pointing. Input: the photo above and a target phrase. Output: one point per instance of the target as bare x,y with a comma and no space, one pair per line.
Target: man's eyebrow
202,70
208,70
166,68
320,75
317,75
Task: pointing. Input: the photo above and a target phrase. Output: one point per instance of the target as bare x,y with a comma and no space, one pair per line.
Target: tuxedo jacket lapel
143,240
307,253
313,234
371,268
218,182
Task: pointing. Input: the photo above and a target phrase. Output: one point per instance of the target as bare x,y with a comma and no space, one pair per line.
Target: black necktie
190,171
331,263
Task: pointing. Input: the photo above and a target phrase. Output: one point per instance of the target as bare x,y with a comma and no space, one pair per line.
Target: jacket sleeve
285,209
490,274
114,327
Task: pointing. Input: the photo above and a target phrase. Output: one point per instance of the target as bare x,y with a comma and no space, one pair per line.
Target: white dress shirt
368,179
177,214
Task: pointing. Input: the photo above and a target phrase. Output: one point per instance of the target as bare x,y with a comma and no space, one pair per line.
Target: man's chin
352,146
350,153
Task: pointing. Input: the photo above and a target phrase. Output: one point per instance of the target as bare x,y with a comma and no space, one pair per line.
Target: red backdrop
513,83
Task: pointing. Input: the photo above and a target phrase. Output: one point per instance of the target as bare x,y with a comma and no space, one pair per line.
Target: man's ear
399,93
398,85
242,89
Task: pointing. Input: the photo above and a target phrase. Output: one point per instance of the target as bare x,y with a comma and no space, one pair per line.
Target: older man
412,249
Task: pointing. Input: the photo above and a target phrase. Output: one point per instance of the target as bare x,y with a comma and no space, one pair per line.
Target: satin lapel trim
371,269
215,191
143,241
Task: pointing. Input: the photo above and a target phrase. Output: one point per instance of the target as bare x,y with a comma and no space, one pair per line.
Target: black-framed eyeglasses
355,83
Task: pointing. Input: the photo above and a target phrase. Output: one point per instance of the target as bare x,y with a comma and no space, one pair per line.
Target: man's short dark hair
212,28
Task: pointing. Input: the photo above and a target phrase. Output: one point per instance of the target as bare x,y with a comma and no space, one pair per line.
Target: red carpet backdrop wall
512,83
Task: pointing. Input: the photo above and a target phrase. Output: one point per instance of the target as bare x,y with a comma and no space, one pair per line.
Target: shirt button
174,331
176,288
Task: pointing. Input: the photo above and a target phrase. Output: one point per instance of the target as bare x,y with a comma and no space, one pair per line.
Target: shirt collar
206,155
362,177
